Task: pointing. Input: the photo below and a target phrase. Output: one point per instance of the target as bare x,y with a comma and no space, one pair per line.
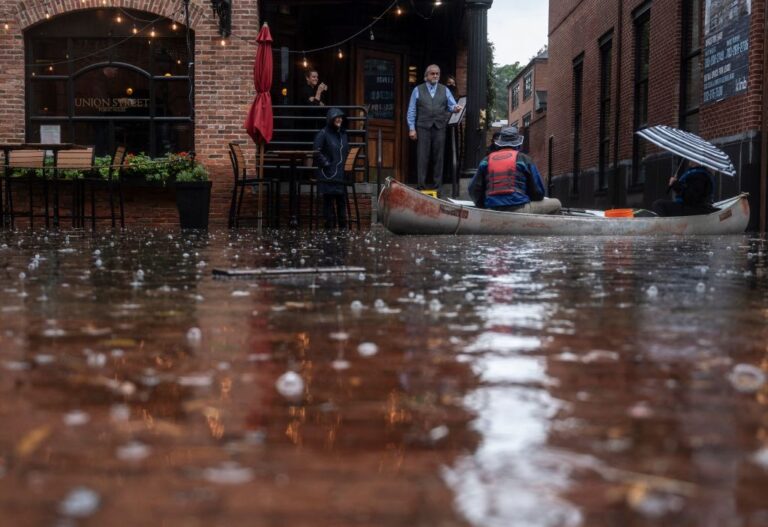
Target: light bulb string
323,48
102,50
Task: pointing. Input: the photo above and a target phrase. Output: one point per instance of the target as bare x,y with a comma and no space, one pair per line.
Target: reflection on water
488,381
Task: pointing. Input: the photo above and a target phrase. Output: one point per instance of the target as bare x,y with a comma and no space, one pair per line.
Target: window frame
690,56
578,120
74,68
642,34
528,85
605,109
516,95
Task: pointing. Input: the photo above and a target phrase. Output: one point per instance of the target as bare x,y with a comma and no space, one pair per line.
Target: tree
502,76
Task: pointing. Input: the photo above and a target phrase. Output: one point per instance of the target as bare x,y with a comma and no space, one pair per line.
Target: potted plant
193,191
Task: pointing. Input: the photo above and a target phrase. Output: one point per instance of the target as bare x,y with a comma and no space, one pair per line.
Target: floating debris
133,451
340,365
747,378
438,433
290,385
194,336
81,502
228,473
200,380
339,336
367,349
652,291
76,418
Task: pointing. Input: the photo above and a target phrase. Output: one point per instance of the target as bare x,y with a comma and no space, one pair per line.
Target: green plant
196,173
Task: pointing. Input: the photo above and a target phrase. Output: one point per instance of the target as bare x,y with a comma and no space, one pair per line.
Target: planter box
193,200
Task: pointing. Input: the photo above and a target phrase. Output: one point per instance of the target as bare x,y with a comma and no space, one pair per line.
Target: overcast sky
518,29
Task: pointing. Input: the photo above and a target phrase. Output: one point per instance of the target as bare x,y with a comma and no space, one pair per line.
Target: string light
47,14
223,42
119,19
438,3
341,54
135,31
399,10
7,26
371,35
152,33
304,61
174,26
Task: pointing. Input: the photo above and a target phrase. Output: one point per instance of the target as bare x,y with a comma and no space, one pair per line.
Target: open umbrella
260,122
689,146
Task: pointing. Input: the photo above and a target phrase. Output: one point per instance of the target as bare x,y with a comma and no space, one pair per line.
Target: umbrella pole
261,183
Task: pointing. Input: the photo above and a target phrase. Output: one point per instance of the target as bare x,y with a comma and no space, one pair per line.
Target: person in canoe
508,180
694,194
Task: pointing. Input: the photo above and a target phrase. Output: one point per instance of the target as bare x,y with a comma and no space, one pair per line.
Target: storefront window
109,77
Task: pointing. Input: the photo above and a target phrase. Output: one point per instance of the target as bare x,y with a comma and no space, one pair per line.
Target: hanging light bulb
135,31
304,61
223,42
174,26
371,35
152,33
399,10
119,19
341,54
7,26
438,3
47,14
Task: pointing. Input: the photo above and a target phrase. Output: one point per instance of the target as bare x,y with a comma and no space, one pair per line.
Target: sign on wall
379,88
726,48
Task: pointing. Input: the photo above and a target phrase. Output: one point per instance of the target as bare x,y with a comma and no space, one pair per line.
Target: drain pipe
764,134
617,105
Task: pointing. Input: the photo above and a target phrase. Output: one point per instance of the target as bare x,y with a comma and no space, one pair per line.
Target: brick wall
576,27
223,80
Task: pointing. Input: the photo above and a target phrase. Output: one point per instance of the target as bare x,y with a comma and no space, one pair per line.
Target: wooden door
379,85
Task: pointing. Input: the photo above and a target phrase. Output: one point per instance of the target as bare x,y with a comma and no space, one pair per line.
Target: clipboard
457,117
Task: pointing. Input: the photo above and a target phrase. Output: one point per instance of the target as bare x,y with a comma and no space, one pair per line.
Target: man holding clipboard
430,107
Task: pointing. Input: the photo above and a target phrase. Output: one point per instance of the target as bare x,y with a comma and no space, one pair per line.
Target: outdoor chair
266,189
111,184
20,168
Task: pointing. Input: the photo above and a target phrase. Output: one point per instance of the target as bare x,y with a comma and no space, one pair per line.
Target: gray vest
431,111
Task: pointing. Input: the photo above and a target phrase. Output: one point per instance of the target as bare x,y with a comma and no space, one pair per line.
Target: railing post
379,167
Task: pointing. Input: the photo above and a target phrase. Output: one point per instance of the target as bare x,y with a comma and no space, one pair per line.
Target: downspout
764,133
617,105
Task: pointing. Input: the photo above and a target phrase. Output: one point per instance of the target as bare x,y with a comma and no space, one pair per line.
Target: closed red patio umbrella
260,122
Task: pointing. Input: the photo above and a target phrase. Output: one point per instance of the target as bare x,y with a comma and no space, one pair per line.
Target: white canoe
404,210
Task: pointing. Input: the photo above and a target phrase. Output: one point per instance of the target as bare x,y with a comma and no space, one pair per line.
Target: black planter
193,200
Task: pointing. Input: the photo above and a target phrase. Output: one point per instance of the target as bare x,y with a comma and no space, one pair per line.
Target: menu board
726,48
379,88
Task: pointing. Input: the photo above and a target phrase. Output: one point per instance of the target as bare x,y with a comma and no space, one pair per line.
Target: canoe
404,210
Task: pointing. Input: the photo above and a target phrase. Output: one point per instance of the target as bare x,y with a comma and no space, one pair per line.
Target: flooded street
457,381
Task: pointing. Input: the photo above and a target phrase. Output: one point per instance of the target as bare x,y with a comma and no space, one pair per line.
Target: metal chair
264,187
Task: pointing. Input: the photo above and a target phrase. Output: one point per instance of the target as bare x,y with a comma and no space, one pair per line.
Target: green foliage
197,173
503,75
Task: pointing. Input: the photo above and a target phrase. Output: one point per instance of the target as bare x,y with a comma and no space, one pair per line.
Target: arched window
109,77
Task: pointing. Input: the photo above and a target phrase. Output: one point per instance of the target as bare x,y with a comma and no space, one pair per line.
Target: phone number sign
726,52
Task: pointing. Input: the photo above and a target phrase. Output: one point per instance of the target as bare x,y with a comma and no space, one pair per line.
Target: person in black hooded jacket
330,150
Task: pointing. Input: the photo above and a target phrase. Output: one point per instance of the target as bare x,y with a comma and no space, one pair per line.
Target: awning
689,146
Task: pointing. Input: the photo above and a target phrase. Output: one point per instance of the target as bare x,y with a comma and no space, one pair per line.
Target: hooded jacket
330,150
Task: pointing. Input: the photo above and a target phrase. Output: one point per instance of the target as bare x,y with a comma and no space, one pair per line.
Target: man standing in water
428,111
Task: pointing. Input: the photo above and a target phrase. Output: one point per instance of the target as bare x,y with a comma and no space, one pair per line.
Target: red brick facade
223,81
576,28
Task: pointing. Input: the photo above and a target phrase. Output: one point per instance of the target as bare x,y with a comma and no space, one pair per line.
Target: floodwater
473,381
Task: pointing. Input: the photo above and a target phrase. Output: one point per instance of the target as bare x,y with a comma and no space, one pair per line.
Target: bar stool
21,167
264,187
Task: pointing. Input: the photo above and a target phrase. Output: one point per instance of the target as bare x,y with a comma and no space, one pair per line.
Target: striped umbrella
689,146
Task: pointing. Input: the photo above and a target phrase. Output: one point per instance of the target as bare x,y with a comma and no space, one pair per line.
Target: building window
690,78
516,95
578,81
604,154
527,120
527,85
91,81
642,65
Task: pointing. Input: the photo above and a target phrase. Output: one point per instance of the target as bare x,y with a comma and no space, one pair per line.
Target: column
477,82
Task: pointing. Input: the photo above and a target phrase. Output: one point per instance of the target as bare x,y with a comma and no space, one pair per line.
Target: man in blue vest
428,111
508,180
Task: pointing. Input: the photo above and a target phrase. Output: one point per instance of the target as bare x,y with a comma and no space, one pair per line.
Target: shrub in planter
193,195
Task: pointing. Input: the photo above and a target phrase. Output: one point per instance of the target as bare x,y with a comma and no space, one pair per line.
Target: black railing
296,126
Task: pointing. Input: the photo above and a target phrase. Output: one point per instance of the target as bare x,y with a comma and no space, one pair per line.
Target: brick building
619,65
108,72
527,103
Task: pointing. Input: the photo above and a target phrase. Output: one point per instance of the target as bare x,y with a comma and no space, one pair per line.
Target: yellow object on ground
429,192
